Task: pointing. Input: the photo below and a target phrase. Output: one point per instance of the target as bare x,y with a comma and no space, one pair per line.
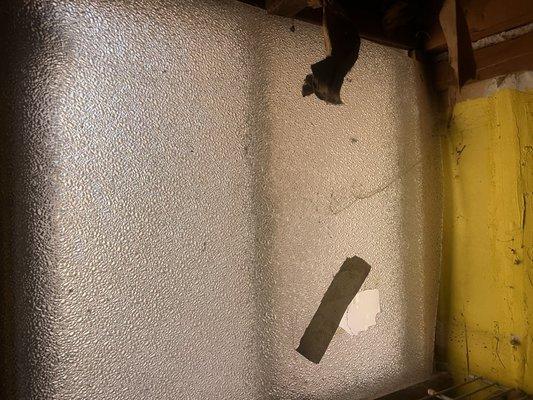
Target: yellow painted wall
486,296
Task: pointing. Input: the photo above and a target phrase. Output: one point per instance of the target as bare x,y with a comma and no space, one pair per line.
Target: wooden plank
285,8
439,381
485,18
500,59
461,56
369,25
341,291
506,57
255,3
371,28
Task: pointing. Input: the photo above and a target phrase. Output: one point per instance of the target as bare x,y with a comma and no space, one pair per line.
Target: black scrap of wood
325,322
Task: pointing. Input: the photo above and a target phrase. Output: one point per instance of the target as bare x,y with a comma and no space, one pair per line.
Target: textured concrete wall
180,209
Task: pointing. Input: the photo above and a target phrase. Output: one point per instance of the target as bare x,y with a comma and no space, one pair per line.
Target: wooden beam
310,15
503,58
485,18
255,3
506,57
369,26
460,53
439,381
285,8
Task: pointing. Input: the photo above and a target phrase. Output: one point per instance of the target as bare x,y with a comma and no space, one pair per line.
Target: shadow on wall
7,377
22,220
259,157
421,212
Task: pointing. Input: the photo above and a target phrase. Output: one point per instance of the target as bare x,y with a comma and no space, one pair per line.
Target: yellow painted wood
486,297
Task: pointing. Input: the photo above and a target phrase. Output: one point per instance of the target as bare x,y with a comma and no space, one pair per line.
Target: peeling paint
361,313
486,272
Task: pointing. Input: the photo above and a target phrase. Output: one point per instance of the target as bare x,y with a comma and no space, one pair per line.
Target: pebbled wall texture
175,210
